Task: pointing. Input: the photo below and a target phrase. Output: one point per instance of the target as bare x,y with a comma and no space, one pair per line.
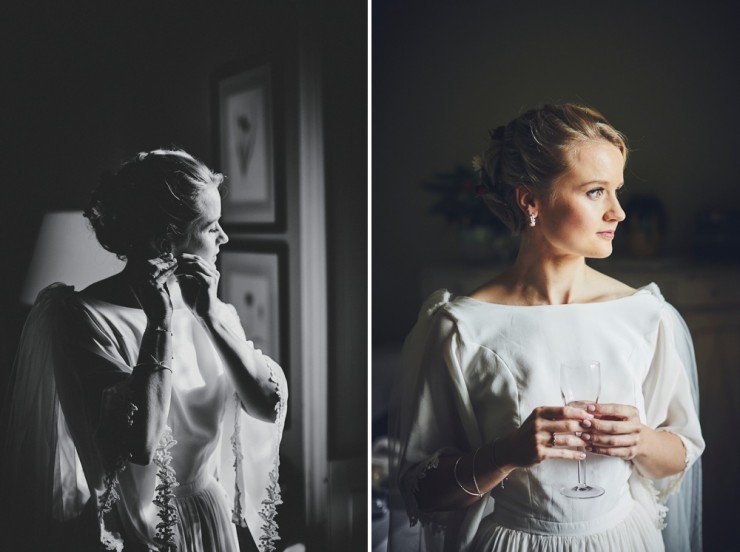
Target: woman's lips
606,235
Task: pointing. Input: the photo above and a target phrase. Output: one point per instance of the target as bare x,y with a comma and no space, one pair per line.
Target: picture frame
249,145
254,279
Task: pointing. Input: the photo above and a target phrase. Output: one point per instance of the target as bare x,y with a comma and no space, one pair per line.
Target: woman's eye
214,229
596,193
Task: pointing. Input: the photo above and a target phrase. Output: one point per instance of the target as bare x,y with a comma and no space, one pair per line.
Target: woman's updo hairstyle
151,200
532,151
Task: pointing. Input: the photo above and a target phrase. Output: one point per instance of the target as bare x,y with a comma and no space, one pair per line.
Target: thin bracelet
158,365
457,479
495,465
156,362
163,330
475,481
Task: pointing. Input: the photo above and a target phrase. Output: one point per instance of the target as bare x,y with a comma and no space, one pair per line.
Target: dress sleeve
670,403
250,458
443,421
91,378
671,395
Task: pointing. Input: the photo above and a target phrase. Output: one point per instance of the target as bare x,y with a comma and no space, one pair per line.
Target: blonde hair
532,151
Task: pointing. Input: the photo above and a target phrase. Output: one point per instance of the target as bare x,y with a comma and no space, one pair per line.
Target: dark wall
443,74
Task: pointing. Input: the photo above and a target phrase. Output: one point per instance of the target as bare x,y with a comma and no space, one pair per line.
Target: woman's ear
527,201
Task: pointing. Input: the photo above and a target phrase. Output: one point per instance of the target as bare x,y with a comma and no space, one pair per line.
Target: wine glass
580,383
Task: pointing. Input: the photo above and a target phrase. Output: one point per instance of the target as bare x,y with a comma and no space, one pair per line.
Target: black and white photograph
184,330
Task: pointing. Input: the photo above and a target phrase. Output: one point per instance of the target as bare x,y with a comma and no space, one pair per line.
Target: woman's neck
538,278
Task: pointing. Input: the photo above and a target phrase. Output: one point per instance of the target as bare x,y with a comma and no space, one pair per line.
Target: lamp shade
67,251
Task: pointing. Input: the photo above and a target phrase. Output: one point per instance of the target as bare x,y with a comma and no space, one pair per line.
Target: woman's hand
199,284
617,431
545,430
148,279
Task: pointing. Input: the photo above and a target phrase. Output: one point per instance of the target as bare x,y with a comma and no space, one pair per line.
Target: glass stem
581,476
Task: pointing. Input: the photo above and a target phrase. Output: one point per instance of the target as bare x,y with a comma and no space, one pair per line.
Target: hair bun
151,200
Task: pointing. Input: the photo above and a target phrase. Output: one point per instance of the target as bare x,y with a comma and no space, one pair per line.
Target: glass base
582,491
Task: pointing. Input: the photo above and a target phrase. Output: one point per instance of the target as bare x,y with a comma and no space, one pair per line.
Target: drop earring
532,220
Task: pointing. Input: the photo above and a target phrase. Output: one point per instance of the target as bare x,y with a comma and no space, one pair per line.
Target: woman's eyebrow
601,182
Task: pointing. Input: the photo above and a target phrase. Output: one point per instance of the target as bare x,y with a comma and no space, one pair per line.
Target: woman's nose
615,211
224,236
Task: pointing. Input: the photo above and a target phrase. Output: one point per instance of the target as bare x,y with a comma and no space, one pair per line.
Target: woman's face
207,236
582,214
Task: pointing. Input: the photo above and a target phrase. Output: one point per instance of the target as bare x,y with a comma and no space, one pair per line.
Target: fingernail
585,436
591,407
578,433
583,454
586,423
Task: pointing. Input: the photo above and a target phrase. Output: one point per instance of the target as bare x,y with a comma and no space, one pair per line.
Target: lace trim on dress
653,502
268,512
237,515
658,497
410,485
118,413
165,537
672,484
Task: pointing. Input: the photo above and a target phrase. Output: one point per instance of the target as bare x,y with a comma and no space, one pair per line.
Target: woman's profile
139,416
485,439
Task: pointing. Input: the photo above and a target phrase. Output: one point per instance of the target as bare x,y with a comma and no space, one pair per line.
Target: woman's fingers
615,411
165,274
545,452
602,440
562,426
188,258
561,440
613,427
560,412
628,453
194,264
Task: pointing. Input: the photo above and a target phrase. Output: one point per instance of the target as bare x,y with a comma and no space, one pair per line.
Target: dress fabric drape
473,372
73,352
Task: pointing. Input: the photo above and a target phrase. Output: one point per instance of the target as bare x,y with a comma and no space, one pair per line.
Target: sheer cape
673,502
53,475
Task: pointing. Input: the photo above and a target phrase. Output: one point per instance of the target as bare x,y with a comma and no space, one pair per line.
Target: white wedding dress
478,370
225,462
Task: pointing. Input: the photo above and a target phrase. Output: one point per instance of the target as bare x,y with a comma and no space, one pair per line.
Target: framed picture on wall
254,278
249,147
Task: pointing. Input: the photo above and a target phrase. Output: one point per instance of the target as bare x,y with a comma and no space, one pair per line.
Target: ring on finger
552,440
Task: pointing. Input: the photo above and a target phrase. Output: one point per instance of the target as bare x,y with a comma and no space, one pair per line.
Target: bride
487,443
140,417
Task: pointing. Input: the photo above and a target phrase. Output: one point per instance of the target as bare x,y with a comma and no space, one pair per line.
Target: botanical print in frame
254,280
248,150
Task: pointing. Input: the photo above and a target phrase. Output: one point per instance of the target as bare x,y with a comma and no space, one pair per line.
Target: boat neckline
639,291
